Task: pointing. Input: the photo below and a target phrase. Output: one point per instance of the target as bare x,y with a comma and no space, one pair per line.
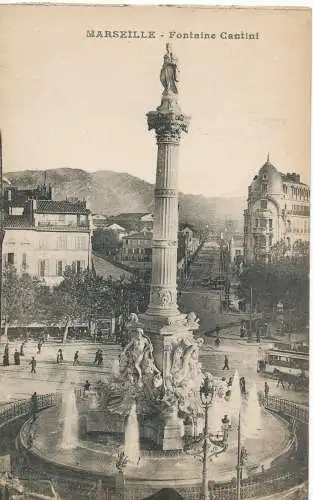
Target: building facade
278,210
43,236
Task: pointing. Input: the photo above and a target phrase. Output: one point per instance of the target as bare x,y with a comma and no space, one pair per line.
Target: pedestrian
242,383
22,349
230,381
266,389
97,357
76,362
17,360
87,386
33,405
6,361
60,356
100,358
226,363
280,380
33,364
39,347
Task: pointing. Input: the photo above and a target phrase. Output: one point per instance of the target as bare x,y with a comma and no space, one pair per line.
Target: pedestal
171,431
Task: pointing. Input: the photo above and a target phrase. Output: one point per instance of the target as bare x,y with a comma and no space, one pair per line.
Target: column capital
168,120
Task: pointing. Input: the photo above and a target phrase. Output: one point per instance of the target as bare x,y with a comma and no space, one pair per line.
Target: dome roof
268,173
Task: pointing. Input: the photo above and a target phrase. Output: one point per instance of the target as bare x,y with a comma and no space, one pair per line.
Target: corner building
43,236
278,209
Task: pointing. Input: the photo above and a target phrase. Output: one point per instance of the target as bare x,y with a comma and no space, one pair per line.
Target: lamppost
206,395
242,456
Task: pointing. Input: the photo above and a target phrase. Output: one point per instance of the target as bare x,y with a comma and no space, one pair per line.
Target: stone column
168,121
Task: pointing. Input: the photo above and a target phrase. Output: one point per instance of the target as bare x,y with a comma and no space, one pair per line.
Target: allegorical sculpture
137,362
170,71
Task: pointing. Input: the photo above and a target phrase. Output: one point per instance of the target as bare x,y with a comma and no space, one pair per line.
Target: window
59,268
24,261
11,259
270,240
62,243
42,268
77,266
264,204
270,224
263,223
256,222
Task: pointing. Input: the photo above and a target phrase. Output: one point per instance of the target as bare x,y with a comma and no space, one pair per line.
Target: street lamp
206,395
242,456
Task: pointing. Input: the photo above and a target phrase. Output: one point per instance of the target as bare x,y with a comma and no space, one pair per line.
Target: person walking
39,347
100,358
6,360
226,363
17,360
33,405
242,383
33,364
22,349
266,389
76,362
87,386
60,356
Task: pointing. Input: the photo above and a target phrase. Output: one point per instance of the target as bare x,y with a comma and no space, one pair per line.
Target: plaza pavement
16,382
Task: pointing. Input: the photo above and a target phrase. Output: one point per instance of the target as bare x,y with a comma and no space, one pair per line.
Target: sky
67,100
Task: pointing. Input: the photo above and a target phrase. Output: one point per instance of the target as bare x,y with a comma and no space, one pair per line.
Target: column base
166,430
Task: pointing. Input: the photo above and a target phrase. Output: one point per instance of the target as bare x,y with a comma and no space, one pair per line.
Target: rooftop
61,207
17,221
130,215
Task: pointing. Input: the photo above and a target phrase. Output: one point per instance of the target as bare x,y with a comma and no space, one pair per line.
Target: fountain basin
95,458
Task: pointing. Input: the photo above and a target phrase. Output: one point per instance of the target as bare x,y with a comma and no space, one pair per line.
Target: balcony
57,226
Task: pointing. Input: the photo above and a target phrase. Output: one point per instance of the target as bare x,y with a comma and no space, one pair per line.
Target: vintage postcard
154,252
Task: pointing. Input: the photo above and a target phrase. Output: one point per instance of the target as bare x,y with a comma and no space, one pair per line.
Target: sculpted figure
139,356
192,320
132,321
169,73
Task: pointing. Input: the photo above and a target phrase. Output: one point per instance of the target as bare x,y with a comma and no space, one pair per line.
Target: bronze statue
169,73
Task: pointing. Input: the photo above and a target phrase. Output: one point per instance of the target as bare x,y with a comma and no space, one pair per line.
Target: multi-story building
132,221
137,247
43,236
277,211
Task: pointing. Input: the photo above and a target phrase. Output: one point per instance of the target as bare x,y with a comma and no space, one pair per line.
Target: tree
301,250
71,299
20,294
287,282
279,250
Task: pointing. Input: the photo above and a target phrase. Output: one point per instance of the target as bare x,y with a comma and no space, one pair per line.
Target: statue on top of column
169,75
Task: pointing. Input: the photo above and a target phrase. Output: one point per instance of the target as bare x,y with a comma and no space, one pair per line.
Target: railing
25,407
287,408
257,487
263,484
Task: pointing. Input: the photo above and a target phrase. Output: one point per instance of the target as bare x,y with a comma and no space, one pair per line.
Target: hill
110,193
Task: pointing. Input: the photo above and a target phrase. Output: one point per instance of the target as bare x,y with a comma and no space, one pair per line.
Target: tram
286,361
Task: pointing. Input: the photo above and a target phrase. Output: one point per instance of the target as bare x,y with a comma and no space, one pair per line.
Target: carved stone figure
137,360
169,75
132,321
185,375
192,321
